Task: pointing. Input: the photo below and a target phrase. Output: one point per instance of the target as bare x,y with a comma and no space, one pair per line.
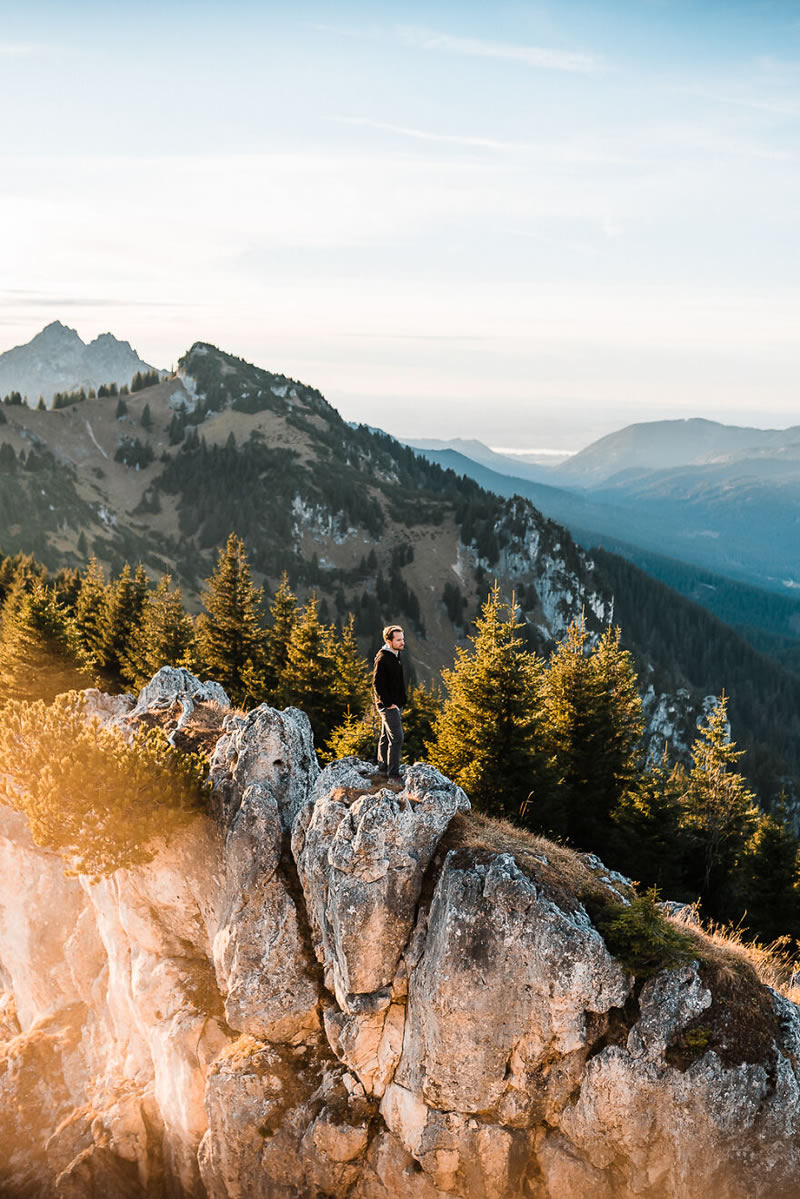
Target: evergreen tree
651,844
125,604
19,568
591,728
90,610
163,636
122,408
356,736
350,684
40,653
68,584
283,615
230,633
147,418
419,719
769,879
307,678
719,808
486,737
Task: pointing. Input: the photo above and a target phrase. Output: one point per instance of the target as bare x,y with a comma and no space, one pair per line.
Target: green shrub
642,939
356,736
88,794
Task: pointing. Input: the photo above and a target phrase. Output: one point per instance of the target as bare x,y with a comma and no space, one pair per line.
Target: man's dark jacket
388,684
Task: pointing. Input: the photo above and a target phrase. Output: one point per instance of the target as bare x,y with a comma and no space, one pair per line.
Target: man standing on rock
389,689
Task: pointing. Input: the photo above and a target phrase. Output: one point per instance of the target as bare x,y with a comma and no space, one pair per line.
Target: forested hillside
163,474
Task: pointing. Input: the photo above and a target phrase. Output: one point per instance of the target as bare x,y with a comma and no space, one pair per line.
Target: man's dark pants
391,740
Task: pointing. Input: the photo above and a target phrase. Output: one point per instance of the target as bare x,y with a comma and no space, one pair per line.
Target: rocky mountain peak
57,359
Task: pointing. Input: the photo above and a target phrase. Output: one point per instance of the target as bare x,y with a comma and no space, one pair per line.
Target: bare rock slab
361,855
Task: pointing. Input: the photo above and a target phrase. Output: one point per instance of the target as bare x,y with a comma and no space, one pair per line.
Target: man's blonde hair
390,630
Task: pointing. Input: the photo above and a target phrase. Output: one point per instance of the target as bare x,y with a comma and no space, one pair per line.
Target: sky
529,223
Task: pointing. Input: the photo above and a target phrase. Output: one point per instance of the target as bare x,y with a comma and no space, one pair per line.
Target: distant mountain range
720,497
57,360
165,474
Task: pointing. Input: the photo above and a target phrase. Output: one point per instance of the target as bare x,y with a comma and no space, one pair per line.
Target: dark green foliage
308,676
14,398
177,426
122,620
396,597
122,409
249,489
651,843
718,807
419,720
147,418
283,614
487,735
90,611
592,722
695,650
230,632
454,602
144,379
40,654
133,453
63,399
769,879
163,635
642,939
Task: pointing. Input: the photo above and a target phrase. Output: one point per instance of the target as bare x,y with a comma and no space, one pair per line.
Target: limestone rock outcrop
334,986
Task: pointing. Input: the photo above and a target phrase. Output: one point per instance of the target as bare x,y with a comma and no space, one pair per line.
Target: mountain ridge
57,360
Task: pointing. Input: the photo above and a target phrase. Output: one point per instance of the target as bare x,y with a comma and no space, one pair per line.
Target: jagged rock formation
58,360
332,987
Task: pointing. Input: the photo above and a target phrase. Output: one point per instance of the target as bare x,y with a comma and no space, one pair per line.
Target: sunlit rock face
306,993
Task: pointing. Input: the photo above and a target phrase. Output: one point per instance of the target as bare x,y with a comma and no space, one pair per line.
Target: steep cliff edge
331,987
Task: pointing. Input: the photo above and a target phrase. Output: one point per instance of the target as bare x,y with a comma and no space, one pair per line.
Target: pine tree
350,686
164,635
90,609
230,633
591,728
356,736
719,807
40,653
121,620
308,676
147,418
486,737
419,719
650,844
283,615
769,879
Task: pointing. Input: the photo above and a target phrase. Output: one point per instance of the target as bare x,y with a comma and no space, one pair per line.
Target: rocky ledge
333,987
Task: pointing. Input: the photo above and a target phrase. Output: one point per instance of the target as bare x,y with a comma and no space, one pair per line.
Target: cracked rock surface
323,989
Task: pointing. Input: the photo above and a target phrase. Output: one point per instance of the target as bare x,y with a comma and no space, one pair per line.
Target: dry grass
200,733
560,872
724,947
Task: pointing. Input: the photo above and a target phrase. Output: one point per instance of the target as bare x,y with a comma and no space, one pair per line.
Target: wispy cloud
541,57
426,135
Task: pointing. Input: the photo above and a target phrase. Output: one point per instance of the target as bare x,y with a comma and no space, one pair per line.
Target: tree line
554,744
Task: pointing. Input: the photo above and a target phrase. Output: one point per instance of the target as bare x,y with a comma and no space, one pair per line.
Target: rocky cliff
332,987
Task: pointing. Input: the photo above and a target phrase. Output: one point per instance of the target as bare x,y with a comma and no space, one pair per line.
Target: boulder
362,850
510,974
